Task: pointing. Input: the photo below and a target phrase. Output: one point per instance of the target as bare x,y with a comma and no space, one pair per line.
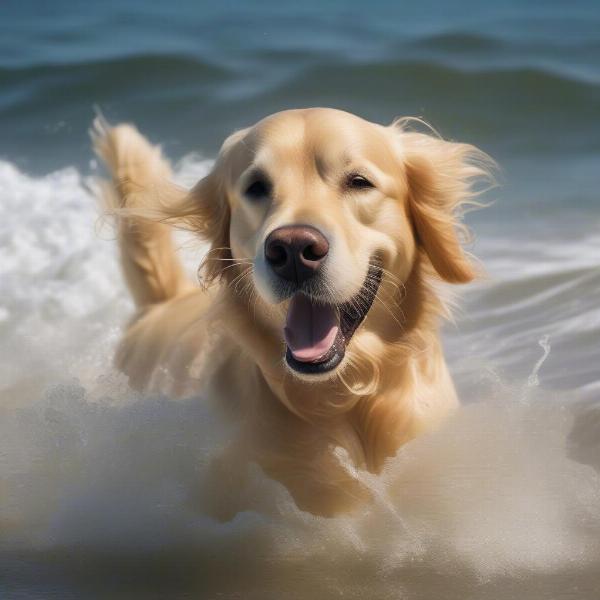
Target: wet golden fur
224,338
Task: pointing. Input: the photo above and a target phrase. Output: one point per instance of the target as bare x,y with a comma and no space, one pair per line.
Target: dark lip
352,314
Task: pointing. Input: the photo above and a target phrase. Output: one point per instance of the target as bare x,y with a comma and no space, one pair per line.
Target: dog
317,319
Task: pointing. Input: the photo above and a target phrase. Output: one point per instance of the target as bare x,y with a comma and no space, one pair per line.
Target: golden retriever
317,319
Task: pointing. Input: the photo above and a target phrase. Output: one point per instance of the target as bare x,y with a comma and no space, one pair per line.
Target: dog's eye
258,189
358,182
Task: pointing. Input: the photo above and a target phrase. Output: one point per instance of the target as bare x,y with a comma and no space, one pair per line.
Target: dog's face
319,207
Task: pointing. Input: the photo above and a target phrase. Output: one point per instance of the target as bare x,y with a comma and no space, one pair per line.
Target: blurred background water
95,481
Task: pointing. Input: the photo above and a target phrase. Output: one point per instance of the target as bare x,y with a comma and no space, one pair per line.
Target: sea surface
97,483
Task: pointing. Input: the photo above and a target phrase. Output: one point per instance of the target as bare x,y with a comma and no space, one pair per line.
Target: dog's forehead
321,135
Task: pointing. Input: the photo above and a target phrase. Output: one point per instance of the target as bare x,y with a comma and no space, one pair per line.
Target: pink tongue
310,329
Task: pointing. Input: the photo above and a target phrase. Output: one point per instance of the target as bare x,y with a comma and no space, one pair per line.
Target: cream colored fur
225,339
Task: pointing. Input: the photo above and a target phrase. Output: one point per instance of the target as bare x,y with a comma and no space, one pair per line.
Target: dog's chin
348,317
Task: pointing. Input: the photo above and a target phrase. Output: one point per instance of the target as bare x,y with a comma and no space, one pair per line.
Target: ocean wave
119,65
528,83
465,41
106,491
440,76
462,41
25,88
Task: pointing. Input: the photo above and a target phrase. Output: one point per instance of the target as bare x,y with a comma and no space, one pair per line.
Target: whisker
219,248
237,260
238,277
387,308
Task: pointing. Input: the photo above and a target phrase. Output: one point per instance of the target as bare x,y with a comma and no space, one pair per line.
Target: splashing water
100,488
533,380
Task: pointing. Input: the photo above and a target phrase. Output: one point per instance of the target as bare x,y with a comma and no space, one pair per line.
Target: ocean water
99,486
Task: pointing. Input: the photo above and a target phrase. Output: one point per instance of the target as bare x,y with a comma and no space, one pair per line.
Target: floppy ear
440,177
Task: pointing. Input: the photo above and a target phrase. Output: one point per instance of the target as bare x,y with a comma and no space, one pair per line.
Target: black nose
296,252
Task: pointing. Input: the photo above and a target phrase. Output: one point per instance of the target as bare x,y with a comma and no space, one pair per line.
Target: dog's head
314,211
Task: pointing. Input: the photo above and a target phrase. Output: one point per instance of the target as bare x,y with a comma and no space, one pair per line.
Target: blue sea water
94,481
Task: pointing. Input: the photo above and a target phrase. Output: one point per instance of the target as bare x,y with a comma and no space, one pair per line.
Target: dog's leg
140,175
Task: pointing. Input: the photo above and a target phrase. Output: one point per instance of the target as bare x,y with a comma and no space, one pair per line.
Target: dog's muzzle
316,331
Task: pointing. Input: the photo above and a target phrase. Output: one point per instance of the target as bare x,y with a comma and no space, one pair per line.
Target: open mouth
317,334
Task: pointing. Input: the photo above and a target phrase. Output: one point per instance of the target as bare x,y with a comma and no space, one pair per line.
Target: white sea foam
505,498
